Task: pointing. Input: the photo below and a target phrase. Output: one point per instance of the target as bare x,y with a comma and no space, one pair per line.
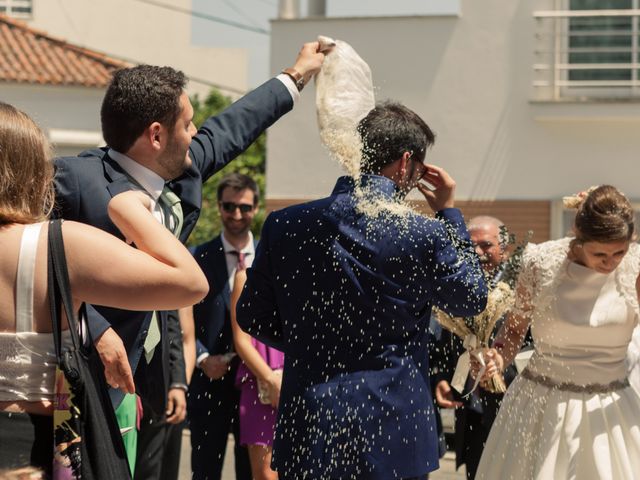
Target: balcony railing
587,54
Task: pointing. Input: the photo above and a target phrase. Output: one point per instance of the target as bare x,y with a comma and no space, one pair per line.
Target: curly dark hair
137,97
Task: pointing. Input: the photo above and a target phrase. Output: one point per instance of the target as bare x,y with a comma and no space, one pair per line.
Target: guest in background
213,398
475,414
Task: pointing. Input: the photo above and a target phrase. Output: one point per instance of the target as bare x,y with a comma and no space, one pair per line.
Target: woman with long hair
158,274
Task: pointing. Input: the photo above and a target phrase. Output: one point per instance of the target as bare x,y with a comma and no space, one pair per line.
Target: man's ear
404,164
155,134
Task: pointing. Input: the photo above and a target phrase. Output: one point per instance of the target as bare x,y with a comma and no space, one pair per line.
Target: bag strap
25,277
60,289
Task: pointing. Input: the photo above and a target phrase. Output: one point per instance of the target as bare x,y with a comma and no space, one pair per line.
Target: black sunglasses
230,207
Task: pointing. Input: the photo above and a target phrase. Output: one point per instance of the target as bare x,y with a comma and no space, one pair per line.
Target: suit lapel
188,187
119,181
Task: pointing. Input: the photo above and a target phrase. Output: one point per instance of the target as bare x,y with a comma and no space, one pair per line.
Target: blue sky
257,13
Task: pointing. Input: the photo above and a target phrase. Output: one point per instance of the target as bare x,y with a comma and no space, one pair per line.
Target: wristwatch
296,76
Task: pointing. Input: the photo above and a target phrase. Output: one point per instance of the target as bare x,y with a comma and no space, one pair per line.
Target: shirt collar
248,248
149,180
376,185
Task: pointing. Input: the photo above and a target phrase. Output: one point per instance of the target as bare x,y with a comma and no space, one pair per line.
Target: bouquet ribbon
463,366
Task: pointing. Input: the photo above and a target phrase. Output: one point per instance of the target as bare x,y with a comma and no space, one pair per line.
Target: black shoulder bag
87,441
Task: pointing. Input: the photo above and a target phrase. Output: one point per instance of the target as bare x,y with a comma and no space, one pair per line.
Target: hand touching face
442,193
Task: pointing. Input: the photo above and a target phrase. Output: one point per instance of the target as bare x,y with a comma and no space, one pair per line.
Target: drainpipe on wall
289,9
317,8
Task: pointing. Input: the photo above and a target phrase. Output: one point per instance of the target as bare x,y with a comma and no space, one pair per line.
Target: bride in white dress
571,413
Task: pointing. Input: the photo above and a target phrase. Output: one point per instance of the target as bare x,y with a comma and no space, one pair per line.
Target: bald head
485,235
485,222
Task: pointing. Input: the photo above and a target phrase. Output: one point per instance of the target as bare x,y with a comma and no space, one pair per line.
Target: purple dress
257,420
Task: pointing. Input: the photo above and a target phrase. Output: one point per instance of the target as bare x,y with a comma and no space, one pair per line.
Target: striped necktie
170,204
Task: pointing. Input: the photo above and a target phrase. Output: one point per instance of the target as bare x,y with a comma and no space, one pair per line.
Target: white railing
587,54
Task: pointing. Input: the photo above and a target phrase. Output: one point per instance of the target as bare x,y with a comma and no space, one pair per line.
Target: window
588,49
603,48
16,8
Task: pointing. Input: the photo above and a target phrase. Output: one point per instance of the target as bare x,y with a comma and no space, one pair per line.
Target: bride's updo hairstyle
605,215
26,171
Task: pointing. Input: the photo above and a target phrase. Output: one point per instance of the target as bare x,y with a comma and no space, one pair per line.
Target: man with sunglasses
213,398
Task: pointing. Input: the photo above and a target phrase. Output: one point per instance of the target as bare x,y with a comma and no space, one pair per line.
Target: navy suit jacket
85,184
348,299
212,315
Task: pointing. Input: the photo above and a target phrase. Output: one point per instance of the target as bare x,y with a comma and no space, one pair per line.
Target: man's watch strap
296,76
181,386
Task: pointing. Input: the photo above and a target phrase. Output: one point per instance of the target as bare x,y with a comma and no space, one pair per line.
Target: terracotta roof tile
28,55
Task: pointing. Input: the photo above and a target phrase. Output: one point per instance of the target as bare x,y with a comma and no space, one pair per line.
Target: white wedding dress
571,414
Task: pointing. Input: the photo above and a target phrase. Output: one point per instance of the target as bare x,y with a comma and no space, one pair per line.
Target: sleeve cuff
200,358
293,90
181,386
452,215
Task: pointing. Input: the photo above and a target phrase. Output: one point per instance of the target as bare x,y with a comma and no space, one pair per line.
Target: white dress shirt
291,86
232,259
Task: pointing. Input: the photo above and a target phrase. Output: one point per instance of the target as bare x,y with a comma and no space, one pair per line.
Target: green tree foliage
251,162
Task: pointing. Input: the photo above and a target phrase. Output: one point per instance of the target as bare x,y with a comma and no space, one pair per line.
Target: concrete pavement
446,472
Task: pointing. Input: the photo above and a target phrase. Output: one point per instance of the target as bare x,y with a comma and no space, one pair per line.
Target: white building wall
70,116
470,77
143,33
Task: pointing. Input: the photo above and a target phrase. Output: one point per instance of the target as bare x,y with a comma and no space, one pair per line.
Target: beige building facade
142,32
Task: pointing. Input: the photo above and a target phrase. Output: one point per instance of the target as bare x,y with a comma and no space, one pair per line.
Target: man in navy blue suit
153,146
347,296
213,396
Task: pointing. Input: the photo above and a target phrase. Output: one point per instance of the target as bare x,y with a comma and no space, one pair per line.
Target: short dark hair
137,97
238,182
389,130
